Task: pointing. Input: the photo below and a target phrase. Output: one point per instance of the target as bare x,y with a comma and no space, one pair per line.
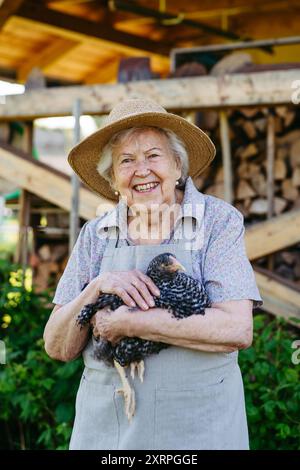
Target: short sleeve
228,274
76,273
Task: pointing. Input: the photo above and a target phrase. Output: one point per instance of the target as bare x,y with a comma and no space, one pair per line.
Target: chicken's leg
140,366
127,391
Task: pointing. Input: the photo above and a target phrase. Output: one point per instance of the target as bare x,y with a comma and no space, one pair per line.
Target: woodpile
248,141
48,265
249,161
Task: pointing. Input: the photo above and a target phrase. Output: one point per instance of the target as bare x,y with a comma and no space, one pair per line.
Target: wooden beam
8,8
270,174
236,90
55,51
61,23
106,72
273,235
21,253
48,183
279,299
75,183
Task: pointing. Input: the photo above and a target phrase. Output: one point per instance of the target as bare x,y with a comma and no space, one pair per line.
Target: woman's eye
153,155
126,160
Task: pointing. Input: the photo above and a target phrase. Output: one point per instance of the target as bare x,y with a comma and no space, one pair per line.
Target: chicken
180,293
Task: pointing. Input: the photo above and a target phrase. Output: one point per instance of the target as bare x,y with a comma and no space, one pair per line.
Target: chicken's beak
176,266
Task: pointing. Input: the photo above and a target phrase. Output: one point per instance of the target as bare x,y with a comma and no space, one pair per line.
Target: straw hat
139,112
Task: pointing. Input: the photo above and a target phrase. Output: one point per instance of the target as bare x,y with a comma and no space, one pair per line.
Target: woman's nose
141,168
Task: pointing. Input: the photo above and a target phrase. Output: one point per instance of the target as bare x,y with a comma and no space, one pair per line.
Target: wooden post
74,213
226,156
24,213
270,174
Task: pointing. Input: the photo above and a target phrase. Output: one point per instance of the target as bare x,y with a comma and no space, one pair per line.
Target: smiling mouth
145,188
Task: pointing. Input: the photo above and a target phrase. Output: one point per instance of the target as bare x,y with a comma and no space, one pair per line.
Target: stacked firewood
48,264
248,139
248,142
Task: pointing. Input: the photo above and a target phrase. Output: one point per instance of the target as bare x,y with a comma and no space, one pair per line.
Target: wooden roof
82,41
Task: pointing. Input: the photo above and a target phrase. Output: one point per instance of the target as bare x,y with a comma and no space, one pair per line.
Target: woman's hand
133,287
110,325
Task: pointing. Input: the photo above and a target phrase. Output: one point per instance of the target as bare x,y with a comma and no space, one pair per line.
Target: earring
177,182
116,193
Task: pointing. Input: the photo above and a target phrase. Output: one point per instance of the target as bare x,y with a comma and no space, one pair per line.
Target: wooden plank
273,235
254,89
55,51
8,8
49,184
75,183
64,24
279,300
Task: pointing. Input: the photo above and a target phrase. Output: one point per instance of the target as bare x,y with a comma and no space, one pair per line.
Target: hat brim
84,157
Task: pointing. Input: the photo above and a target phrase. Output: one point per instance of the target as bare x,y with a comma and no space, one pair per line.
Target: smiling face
145,170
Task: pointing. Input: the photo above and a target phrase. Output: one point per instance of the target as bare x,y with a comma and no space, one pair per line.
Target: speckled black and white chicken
180,293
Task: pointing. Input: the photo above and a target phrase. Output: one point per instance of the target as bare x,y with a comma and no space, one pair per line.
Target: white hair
176,145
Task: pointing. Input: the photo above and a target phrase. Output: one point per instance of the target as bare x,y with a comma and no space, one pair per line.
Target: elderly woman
146,158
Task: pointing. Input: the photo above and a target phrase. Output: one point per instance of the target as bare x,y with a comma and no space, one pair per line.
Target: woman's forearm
64,340
216,331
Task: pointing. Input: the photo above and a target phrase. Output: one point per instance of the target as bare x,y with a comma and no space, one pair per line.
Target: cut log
282,152
296,177
243,170
259,184
249,112
249,129
278,125
244,191
249,151
295,154
289,118
260,124
288,190
279,169
281,111
260,206
280,205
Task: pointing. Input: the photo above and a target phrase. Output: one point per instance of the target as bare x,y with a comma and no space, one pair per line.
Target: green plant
37,394
272,385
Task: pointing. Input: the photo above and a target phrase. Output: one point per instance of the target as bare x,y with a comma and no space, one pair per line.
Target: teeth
145,187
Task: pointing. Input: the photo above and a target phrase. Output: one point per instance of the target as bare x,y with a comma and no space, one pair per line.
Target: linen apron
189,400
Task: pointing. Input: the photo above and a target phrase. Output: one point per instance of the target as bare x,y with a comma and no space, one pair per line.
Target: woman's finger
137,297
143,290
122,293
149,283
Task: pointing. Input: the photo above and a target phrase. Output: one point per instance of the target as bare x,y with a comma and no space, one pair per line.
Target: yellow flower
6,318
